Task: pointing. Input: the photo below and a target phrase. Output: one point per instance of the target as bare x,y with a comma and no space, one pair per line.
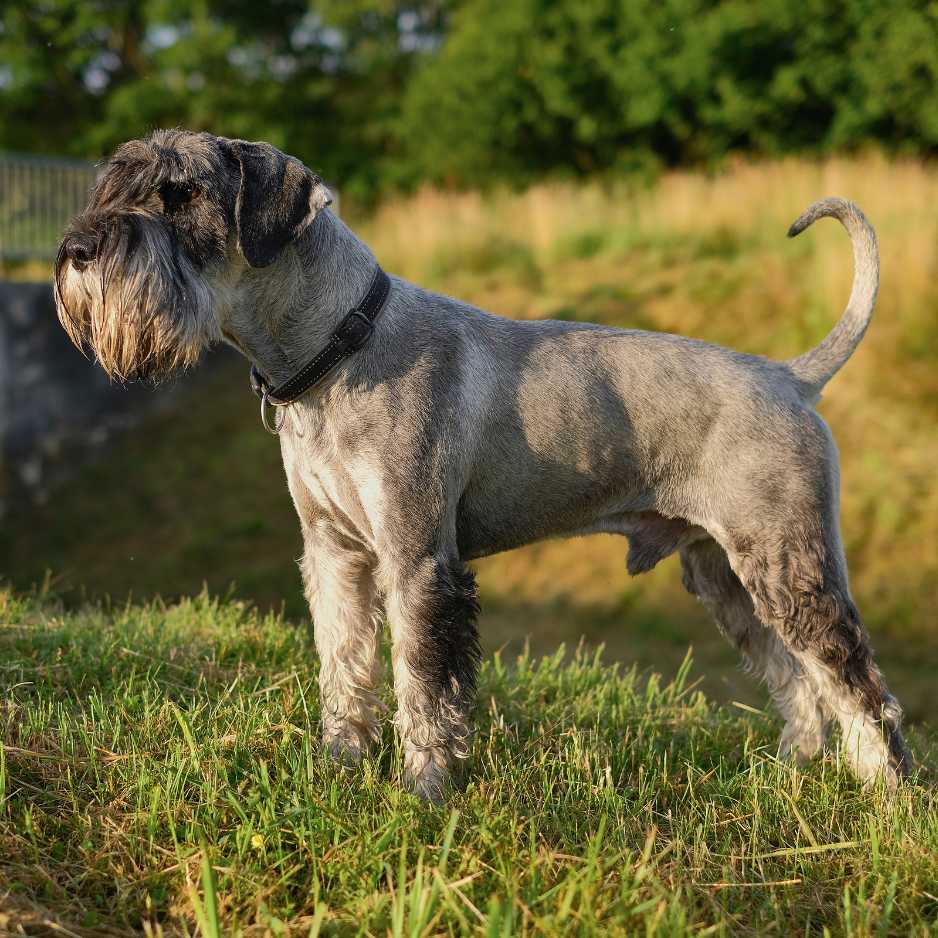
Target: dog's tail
819,365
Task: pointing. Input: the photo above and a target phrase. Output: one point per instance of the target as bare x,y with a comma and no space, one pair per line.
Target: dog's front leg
339,584
432,609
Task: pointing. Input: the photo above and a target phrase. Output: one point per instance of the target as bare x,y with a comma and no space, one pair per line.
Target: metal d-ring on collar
350,335
260,387
277,425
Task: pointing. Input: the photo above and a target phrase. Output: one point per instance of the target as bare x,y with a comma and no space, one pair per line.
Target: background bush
532,86
381,94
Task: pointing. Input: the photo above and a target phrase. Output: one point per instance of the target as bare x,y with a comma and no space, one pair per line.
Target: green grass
160,774
160,762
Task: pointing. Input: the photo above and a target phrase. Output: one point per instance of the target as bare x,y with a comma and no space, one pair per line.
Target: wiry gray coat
455,434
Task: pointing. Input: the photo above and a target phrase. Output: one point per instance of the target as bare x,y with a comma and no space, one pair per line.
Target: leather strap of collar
350,335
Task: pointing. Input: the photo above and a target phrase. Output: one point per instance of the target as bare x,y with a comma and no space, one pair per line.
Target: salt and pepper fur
454,434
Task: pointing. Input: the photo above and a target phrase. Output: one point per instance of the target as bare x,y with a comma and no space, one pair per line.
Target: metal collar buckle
355,335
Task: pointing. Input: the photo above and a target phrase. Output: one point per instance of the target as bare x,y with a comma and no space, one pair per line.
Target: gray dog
435,433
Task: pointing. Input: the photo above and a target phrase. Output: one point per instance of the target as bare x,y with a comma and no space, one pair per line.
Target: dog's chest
333,487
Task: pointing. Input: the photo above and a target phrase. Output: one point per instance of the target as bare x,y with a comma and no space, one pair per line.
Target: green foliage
522,88
324,83
382,94
160,768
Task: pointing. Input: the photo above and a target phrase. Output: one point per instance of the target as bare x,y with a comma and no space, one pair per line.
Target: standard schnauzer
419,432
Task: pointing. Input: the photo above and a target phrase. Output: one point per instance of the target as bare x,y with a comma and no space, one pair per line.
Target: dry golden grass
703,256
707,256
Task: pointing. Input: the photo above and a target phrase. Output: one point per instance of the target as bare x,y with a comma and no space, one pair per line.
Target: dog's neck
284,314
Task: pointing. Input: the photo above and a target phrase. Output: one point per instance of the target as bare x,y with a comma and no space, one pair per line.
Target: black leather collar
350,335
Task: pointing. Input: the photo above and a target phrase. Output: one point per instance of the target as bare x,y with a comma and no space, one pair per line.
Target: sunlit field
198,496
160,772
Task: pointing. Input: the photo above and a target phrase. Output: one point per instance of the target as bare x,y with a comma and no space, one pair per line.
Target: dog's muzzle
81,249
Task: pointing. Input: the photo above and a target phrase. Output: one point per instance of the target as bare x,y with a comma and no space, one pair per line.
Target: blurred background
631,162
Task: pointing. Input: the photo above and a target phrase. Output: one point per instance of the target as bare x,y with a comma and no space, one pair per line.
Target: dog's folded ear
277,199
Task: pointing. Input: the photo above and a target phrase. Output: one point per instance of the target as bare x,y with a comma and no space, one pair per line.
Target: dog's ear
277,199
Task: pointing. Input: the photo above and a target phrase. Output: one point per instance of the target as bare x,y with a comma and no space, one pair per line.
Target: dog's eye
175,195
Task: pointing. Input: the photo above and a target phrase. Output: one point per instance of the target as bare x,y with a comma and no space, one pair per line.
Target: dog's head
141,273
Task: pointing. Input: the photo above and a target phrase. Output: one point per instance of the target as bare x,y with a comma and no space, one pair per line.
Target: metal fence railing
38,197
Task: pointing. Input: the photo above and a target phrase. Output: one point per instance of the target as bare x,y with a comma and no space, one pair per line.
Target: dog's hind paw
800,745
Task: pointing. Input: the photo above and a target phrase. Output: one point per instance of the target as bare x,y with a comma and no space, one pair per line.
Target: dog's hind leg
796,578
347,622
708,576
432,611
777,518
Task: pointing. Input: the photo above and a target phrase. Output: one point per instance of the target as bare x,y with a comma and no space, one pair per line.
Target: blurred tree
323,81
385,93
381,42
536,85
896,61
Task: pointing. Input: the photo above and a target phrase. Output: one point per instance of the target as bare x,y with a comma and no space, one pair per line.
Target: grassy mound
197,496
160,773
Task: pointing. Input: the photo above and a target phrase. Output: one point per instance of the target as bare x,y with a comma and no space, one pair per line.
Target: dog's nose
81,250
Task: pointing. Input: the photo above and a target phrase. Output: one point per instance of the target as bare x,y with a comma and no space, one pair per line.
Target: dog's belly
518,495
652,536
502,509
479,536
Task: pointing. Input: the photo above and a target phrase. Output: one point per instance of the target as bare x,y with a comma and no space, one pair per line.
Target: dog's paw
426,777
346,751
430,787
800,745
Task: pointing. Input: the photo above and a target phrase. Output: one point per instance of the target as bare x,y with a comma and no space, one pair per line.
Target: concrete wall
56,407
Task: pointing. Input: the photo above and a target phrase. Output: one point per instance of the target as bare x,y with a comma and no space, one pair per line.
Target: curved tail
819,365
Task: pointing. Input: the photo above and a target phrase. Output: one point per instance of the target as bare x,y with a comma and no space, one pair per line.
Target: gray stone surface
57,408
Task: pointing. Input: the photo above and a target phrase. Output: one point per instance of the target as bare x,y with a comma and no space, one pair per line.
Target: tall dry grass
703,256
707,256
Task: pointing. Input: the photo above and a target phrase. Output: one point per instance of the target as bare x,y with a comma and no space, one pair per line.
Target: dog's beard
141,306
